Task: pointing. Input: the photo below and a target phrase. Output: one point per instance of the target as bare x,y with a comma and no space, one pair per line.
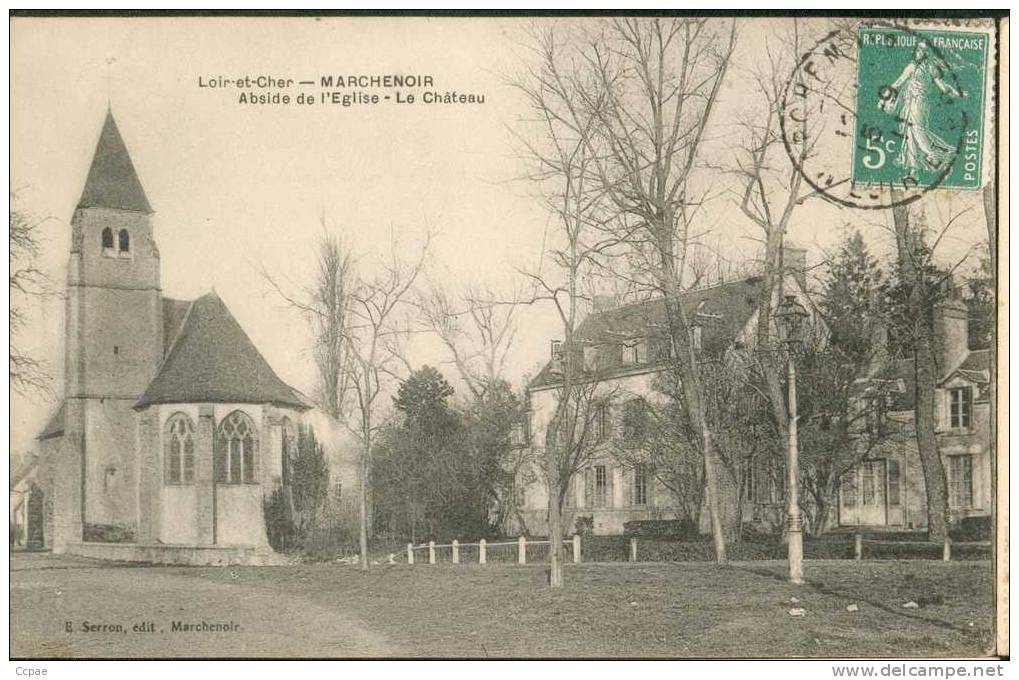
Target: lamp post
789,317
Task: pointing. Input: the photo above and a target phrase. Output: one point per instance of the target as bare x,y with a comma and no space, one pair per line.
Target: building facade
623,347
172,427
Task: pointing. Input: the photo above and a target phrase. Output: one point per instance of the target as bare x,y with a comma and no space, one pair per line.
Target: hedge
830,547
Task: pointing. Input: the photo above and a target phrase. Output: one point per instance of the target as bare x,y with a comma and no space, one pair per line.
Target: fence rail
522,544
483,547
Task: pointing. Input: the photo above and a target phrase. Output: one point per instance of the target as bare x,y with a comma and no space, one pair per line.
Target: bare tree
558,146
374,337
652,87
477,329
769,189
325,306
28,373
922,290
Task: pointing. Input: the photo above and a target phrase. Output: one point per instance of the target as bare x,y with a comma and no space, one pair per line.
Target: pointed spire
112,181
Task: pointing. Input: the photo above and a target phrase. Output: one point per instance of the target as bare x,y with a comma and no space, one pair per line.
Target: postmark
880,115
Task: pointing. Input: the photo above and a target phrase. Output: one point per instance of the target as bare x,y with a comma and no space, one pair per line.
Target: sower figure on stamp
921,148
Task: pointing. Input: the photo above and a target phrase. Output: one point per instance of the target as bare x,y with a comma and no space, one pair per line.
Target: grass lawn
647,610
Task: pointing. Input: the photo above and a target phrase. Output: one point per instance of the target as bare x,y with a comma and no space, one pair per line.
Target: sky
240,187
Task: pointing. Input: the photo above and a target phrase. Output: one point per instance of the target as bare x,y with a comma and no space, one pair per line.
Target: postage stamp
919,104
878,114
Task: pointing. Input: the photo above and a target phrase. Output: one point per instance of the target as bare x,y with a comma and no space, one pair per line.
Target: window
629,353
602,422
338,491
124,241
748,480
698,337
237,450
640,484
849,489
875,416
634,422
869,484
179,450
108,476
107,239
556,350
894,484
960,481
960,408
601,485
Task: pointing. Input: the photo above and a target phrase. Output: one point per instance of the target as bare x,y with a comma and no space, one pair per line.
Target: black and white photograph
509,336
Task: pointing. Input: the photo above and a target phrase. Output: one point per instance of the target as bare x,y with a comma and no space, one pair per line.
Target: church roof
55,425
112,181
213,360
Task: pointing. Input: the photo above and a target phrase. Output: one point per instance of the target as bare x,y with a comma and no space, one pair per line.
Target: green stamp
919,108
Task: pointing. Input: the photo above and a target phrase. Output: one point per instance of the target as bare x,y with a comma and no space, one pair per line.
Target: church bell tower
114,334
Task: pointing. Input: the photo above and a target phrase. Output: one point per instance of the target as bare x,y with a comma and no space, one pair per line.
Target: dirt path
50,592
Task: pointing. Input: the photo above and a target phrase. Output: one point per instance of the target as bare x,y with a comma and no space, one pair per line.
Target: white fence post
576,548
482,547
946,552
456,551
410,553
522,550
633,549
431,552
858,547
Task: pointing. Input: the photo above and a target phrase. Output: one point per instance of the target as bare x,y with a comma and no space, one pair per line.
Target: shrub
584,525
972,529
107,533
653,528
279,527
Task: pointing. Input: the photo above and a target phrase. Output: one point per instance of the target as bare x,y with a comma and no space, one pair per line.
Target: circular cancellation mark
876,117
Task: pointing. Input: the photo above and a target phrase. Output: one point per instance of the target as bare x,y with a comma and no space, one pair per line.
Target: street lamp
789,318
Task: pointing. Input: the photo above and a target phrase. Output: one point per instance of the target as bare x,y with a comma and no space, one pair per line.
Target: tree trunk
364,505
693,397
555,533
925,371
991,217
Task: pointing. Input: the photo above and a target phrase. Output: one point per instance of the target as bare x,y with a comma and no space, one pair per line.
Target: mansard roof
112,181
211,359
721,311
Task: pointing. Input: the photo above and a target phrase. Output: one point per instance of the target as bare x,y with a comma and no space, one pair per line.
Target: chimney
794,261
951,333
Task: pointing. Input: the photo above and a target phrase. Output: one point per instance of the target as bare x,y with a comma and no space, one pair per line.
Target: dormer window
123,242
630,353
108,242
557,350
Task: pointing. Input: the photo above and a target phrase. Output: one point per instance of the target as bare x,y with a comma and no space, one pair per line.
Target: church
172,426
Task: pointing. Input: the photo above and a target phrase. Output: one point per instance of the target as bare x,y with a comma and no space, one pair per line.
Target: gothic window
123,241
179,450
107,239
237,450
